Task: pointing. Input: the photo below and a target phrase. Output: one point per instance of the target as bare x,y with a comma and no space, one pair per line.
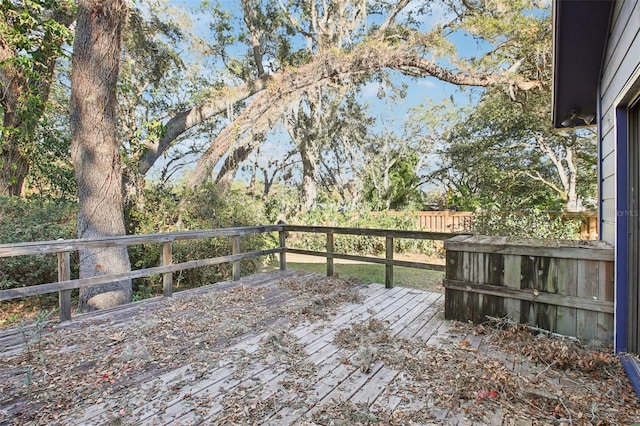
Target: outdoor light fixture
576,119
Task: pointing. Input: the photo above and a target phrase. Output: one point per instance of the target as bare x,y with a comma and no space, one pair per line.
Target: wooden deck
340,374
305,359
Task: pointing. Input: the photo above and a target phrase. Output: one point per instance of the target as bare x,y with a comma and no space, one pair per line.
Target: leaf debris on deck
296,348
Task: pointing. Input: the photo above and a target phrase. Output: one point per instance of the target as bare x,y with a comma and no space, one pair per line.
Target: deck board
195,393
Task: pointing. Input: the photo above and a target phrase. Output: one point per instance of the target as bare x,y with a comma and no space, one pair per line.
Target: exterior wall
621,61
619,86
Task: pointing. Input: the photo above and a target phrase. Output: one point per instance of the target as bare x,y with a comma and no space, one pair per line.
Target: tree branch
331,66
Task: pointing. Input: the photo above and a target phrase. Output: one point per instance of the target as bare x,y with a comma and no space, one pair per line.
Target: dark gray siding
619,86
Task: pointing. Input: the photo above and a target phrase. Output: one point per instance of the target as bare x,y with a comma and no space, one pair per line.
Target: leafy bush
532,224
25,220
161,210
157,210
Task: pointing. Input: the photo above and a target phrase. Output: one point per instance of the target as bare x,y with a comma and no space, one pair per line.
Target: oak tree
95,148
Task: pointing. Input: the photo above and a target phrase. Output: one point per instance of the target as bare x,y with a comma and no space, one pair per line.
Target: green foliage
160,210
360,244
504,152
282,202
24,220
32,336
531,224
34,32
51,174
157,210
402,192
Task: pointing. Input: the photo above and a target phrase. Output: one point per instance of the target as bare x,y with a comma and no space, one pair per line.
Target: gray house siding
619,89
620,69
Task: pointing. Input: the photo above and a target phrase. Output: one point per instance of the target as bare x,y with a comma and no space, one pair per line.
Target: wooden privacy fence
452,221
63,248
561,286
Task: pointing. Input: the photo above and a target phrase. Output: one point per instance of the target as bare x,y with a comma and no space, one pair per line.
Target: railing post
64,296
283,249
167,277
329,254
236,263
388,275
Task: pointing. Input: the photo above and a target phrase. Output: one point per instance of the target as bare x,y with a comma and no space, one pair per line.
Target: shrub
531,224
161,210
26,220
360,244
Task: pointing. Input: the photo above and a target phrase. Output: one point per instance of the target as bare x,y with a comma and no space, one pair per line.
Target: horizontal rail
531,296
138,273
589,250
369,259
370,232
58,246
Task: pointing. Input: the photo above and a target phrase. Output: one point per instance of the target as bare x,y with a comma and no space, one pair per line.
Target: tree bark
95,147
309,185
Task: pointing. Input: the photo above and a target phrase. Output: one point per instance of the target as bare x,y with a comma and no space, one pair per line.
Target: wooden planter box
562,286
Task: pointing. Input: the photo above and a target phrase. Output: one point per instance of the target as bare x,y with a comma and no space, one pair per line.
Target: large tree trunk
95,147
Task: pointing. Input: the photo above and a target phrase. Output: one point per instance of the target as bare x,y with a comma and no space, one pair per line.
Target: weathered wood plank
567,284
198,394
513,281
64,296
605,326
532,296
333,372
330,254
494,268
588,276
388,270
435,332
167,278
235,250
428,312
140,273
394,233
592,250
369,259
56,246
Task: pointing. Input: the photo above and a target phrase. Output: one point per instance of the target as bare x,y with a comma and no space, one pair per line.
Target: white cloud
438,13
370,90
426,83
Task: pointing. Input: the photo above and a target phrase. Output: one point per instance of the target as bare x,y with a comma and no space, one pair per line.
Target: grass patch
420,279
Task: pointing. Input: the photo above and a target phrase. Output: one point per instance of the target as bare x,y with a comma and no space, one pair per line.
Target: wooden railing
63,248
387,234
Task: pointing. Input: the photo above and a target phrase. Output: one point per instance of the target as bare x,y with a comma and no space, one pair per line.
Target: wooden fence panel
562,286
460,222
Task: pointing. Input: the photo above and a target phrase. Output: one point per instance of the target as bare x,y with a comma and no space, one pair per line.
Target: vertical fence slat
236,263
388,273
329,254
512,279
588,279
64,296
567,284
167,277
283,249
